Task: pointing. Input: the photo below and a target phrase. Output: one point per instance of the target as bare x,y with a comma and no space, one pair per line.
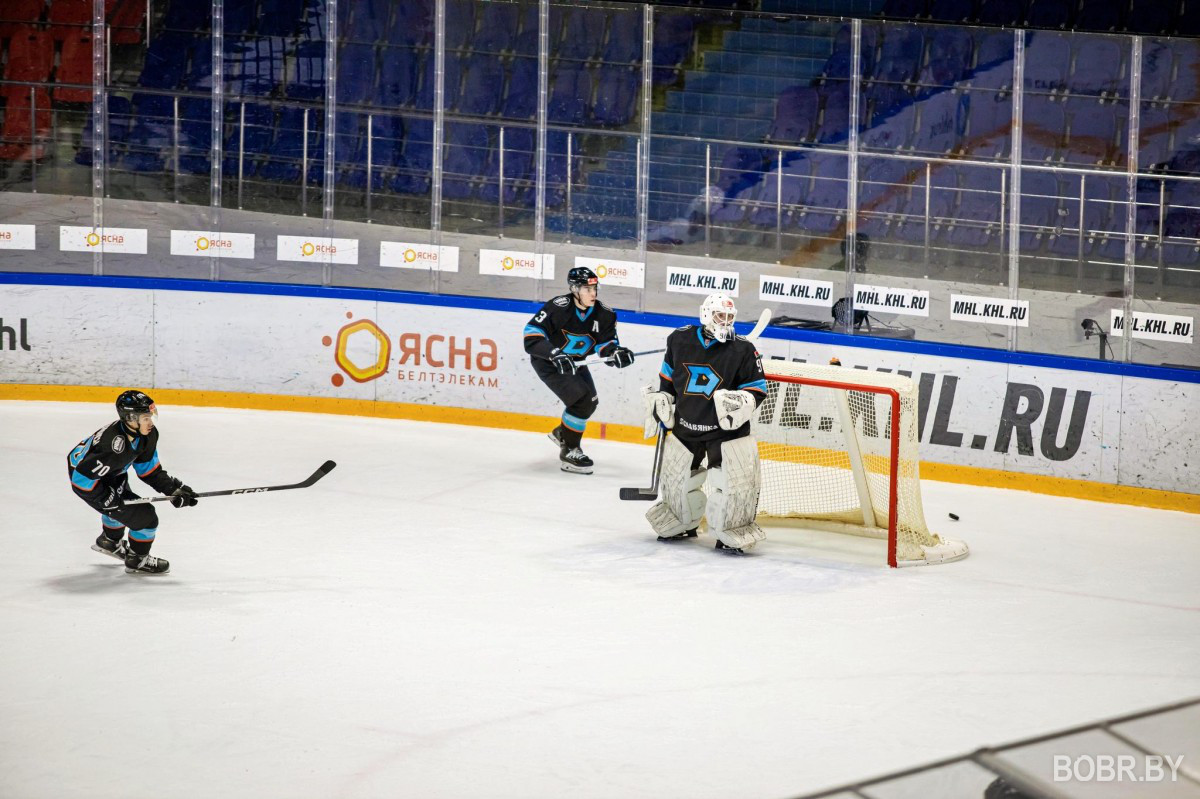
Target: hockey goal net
839,451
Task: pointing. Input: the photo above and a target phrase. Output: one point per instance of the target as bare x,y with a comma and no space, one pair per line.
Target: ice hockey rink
448,615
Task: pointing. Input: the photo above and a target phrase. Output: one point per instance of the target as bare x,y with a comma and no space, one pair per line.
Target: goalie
710,384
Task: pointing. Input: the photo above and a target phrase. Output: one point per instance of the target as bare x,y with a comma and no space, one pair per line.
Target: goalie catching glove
734,408
660,410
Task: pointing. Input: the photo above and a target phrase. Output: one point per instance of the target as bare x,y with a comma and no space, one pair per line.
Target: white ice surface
449,615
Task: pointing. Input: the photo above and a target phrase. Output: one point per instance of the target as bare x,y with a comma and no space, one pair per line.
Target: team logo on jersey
118,445
702,379
577,345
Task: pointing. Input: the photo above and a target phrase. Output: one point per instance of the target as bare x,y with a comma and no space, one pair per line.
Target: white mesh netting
826,457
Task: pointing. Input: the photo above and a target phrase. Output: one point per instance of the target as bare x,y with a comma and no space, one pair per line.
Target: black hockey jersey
695,366
98,464
562,325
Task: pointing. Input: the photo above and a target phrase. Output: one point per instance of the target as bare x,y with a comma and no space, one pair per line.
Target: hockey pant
142,520
733,485
578,394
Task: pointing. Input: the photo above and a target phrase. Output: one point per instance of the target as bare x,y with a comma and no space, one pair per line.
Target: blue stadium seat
570,94
254,65
279,17
308,73
481,86
520,98
412,23
673,33
617,92
1045,130
624,44
465,161
120,116
1099,67
1093,139
356,74
977,215
1157,64
1047,63
583,35
166,60
943,124
195,136
989,125
398,76
416,161
498,28
795,118
283,156
1154,137
1049,14
1100,15
519,146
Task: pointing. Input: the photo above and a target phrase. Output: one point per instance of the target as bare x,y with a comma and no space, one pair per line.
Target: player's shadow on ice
101,579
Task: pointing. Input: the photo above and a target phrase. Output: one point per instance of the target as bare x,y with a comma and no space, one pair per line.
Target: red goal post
839,450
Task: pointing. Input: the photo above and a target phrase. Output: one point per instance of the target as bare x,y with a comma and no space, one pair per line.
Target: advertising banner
317,249
411,255
795,290
989,310
106,239
1155,326
17,237
516,263
702,281
631,274
882,299
203,243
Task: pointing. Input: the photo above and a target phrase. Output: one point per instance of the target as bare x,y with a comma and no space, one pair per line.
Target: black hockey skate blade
639,494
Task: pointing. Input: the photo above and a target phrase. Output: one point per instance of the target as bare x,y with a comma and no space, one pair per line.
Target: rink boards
1063,426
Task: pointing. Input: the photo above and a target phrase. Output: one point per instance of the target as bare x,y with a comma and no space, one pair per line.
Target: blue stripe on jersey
531,330
82,482
574,422
144,469
78,453
583,317
755,385
143,535
110,521
703,343
665,370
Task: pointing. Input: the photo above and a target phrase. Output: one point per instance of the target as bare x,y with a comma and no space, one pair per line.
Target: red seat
126,18
19,139
74,66
30,59
68,17
18,14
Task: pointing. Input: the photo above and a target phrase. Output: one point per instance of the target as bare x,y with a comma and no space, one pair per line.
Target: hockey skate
106,546
728,550
679,536
145,564
573,460
555,435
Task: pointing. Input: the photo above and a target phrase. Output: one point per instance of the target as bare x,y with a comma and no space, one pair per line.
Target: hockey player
710,384
97,469
565,331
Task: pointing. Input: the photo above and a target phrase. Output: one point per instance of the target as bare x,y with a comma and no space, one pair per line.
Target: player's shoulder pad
111,438
605,308
684,328
562,301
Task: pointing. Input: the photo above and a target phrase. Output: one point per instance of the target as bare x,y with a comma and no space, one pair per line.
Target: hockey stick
324,469
650,493
596,359
763,320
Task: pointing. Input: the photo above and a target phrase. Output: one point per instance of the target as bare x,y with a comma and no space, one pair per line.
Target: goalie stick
323,470
651,493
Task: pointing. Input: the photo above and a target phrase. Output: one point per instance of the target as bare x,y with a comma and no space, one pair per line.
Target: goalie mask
717,313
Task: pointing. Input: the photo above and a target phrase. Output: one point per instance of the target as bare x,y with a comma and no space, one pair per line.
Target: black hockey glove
620,357
564,363
183,496
111,501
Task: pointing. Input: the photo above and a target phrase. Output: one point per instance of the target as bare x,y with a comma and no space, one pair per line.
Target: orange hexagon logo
361,374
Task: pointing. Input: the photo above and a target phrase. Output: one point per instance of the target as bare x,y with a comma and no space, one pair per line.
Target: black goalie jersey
562,325
694,367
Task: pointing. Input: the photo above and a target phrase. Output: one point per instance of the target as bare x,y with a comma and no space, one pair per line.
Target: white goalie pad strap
733,499
660,407
681,498
734,408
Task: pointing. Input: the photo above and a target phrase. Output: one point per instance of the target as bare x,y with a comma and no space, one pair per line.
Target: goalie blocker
710,383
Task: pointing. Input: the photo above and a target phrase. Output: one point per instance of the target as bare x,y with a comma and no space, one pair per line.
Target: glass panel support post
1014,182
217,123
1131,167
99,129
845,324
643,151
327,171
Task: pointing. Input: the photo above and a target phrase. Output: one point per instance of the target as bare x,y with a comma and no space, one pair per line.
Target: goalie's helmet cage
717,314
132,404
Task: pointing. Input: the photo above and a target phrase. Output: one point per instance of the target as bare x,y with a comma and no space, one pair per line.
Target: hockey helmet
717,313
580,277
132,404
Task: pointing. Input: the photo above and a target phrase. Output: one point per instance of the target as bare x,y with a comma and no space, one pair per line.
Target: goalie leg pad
733,495
682,500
